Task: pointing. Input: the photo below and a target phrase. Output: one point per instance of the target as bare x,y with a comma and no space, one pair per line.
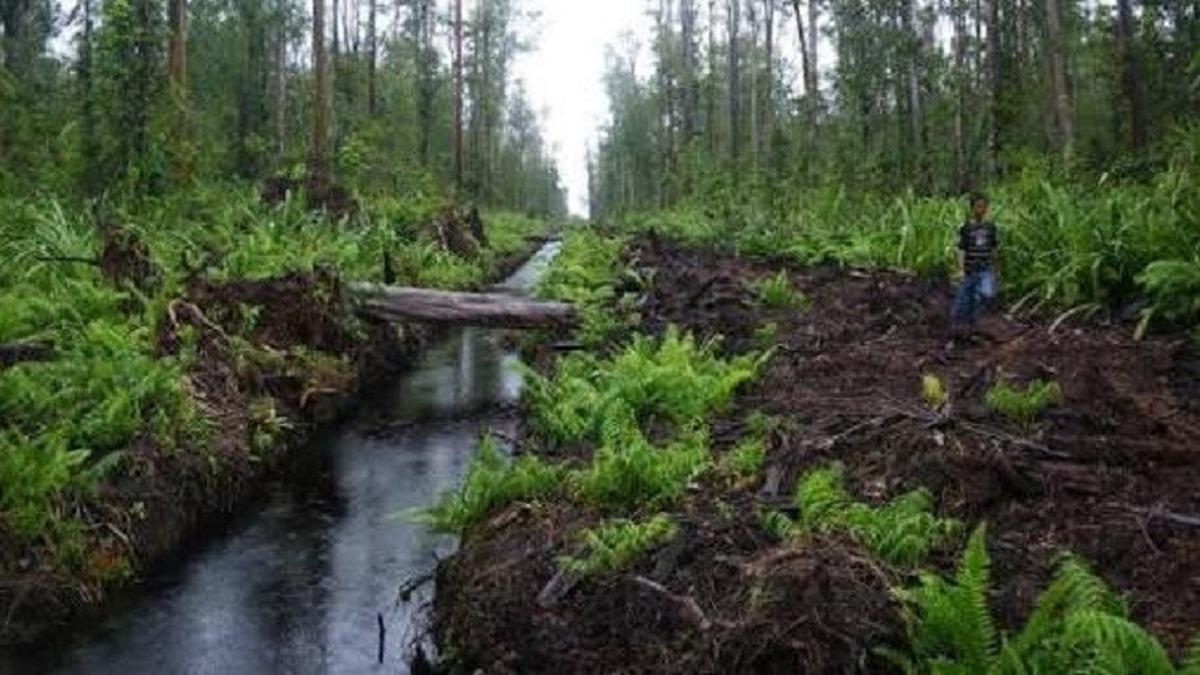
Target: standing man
978,247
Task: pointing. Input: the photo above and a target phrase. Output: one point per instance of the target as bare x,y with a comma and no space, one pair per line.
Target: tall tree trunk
1064,122
814,66
961,160
691,94
279,84
734,82
769,109
752,53
1132,78
372,55
458,95
87,127
177,74
912,22
319,177
337,45
995,61
711,126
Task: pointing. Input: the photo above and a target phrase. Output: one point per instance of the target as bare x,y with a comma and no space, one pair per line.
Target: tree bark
691,94
752,53
279,84
458,95
995,61
912,22
1132,77
1064,122
177,74
372,55
769,103
734,20
319,178
393,303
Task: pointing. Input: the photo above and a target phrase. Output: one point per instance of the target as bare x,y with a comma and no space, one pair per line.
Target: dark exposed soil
1104,474
160,496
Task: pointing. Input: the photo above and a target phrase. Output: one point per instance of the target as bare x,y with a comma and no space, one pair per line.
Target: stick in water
382,635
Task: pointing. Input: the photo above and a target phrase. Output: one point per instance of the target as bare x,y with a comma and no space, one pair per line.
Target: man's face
979,209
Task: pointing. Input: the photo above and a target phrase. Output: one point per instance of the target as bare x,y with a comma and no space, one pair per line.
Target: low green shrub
585,274
616,544
1077,626
674,380
777,292
1023,405
629,472
492,481
902,532
744,461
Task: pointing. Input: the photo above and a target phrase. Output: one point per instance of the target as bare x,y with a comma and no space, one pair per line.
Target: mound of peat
1111,473
246,367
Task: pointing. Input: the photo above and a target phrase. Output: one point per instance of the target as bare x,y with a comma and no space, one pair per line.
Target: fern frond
973,577
1190,665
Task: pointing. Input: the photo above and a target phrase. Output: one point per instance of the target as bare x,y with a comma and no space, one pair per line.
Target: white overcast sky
564,76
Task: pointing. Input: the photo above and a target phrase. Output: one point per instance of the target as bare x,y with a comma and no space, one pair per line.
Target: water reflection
297,587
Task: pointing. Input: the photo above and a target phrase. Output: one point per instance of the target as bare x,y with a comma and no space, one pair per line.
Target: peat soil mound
273,358
1110,473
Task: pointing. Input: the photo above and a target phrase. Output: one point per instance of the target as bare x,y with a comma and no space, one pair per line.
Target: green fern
616,544
1078,626
491,482
1023,405
902,532
1190,665
777,292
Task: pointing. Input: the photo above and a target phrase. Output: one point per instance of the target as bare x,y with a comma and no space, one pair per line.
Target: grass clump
492,481
616,544
1077,626
901,532
1023,406
777,292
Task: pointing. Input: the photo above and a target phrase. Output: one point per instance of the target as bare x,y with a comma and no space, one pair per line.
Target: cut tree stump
491,310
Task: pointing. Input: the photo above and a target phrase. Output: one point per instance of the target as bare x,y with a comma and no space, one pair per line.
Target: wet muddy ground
1110,473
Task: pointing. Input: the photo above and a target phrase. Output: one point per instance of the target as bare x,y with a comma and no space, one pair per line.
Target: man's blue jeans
976,290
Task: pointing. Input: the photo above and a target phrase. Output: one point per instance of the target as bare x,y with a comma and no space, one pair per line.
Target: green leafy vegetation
744,461
629,472
585,273
492,481
674,380
777,292
1077,626
616,544
933,391
1023,406
902,532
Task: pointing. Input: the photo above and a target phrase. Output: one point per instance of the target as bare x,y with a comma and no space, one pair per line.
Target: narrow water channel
298,585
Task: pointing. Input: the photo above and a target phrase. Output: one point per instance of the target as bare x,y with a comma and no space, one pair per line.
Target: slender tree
319,178
1064,121
457,94
735,95
1132,77
177,72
